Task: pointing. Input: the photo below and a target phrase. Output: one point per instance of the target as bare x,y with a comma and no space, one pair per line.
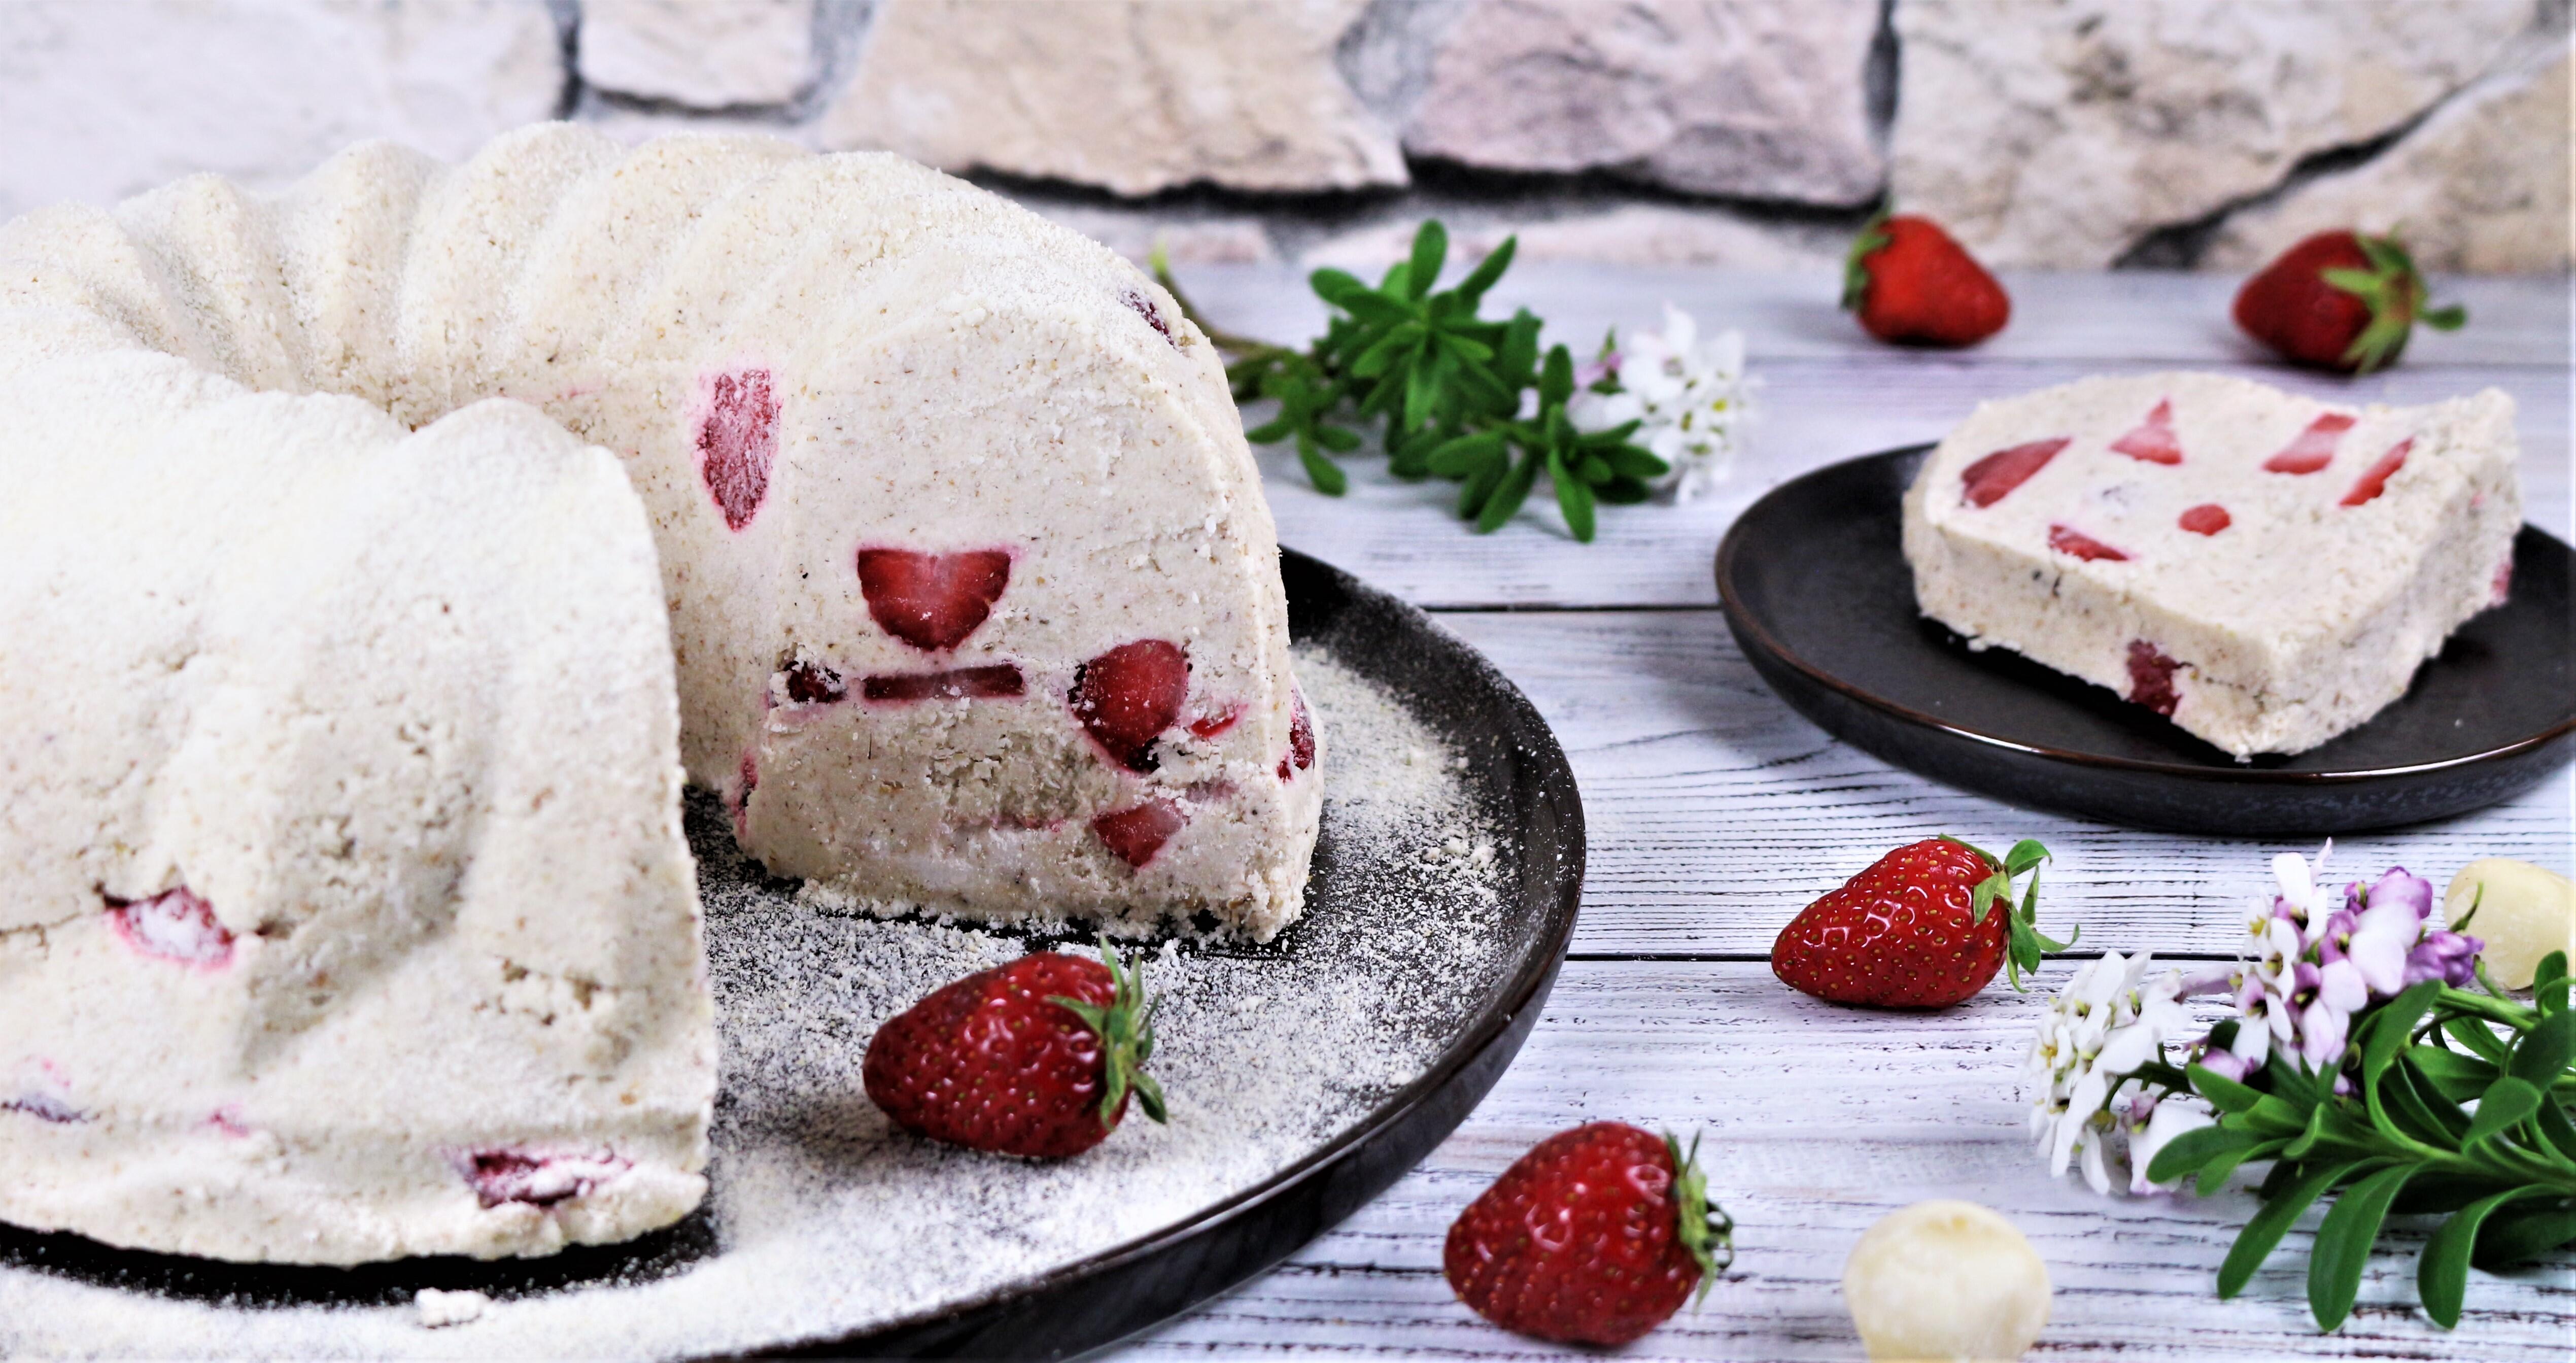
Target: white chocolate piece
2264,569
2524,912
1945,1280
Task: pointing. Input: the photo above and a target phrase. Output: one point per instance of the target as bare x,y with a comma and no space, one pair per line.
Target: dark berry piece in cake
1000,681
1135,834
2374,480
1128,696
2071,541
932,601
1034,1058
44,1107
500,1176
2151,678
737,443
2153,441
812,683
1301,738
1990,479
2313,448
174,925
1153,315
2208,518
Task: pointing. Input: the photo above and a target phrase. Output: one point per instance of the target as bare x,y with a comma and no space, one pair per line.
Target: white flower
1692,398
2108,1021
2153,1126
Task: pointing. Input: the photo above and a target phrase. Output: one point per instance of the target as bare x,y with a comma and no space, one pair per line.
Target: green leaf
1466,348
1574,498
2474,1035
1509,493
1272,431
1629,461
1336,287
1466,454
1338,439
2451,318
1324,473
1430,248
1623,491
1480,486
2226,1094
2507,1102
2191,1150
1397,285
1556,380
1489,270
2342,1248
1873,235
2436,1121
2392,1023
2366,283
2442,1274
2263,1232
2545,1050
2213,1175
2525,1232
2453,1075
1593,469
2558,1130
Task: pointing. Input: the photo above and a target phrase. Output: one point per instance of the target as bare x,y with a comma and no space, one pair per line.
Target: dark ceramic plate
1515,780
1818,594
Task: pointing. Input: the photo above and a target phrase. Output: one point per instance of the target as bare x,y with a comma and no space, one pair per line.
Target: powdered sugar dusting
827,1220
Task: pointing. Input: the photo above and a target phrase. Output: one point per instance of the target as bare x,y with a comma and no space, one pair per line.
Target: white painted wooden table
1716,812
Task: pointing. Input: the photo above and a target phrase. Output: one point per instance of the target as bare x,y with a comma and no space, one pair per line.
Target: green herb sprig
1445,386
2408,1140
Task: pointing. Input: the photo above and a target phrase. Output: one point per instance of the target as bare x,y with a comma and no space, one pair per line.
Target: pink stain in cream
737,442
174,925
503,1176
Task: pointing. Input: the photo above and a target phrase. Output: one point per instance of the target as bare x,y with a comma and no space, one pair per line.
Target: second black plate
1817,591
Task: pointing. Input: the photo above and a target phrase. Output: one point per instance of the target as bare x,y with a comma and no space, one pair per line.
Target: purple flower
2450,957
2224,1064
2395,887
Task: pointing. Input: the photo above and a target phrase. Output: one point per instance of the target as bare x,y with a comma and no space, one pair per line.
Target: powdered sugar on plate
824,1220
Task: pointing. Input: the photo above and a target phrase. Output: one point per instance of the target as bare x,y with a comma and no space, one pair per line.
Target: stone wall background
2046,133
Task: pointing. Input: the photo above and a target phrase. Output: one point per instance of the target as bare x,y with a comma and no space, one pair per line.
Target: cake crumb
438,1309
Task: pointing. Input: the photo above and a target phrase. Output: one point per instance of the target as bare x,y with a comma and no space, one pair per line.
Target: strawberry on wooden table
2342,301
1918,929
1032,1058
1596,1236
1911,283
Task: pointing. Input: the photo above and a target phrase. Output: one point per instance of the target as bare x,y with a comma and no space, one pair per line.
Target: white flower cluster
1693,398
2110,1019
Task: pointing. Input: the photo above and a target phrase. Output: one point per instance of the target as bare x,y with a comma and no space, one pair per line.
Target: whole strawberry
2340,301
1911,283
1596,1236
1032,1058
1918,929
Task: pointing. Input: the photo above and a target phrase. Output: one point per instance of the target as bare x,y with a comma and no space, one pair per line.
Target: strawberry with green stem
1919,928
2342,301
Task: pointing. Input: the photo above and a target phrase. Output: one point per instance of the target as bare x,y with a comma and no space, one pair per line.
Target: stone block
707,54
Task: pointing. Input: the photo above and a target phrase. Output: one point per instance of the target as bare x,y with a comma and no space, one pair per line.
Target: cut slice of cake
2264,569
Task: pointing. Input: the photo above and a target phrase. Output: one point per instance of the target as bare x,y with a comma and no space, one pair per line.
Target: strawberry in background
1912,284
2341,301
1925,926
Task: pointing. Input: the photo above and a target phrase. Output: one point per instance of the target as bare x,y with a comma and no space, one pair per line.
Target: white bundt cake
348,914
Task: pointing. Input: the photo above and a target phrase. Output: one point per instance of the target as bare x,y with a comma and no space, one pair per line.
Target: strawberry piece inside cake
2264,569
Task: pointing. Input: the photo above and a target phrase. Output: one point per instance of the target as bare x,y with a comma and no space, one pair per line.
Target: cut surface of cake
2264,569
348,914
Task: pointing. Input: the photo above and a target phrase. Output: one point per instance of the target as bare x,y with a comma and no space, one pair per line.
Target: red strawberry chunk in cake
2374,480
932,601
1209,726
2313,448
737,443
1128,696
2208,518
1000,681
174,925
1136,833
2083,546
1988,480
811,683
2151,676
2153,441
1301,739
500,1176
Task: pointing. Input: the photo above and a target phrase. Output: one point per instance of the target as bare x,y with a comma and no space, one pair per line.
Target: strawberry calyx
2024,944
1873,236
2395,293
1125,1027
1706,1231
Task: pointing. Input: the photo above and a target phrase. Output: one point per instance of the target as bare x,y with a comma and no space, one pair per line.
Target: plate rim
1750,625
1526,990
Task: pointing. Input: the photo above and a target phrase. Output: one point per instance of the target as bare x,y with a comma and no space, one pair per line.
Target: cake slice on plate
2264,569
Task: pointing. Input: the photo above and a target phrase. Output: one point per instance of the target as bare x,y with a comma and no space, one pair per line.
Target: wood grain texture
1715,812
1816,1121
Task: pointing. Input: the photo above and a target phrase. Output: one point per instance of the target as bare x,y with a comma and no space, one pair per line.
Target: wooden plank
2150,315
1715,811
1405,538
1817,1120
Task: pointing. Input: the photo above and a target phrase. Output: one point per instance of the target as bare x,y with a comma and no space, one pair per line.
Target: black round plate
1817,591
1518,778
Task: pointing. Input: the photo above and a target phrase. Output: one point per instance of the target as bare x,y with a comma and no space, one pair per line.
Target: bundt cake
346,690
